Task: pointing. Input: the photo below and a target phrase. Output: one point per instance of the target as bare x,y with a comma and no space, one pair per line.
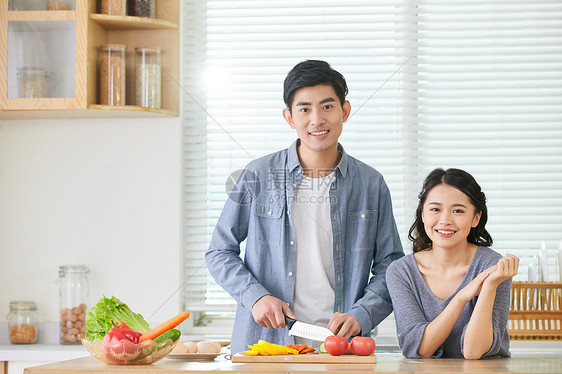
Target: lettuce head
103,316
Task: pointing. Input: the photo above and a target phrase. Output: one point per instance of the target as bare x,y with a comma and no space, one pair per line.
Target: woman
451,296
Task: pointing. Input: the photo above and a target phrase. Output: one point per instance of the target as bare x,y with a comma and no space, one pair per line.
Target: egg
191,347
208,347
180,348
218,345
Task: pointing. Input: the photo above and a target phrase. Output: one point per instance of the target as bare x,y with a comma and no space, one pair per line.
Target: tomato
348,351
363,345
121,343
335,345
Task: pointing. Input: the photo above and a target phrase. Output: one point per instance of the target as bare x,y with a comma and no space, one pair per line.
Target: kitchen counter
41,352
528,356
47,349
386,363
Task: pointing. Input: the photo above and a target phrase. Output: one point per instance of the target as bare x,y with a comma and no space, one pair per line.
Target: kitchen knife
306,330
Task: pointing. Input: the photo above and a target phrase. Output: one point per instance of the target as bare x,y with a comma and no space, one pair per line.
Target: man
317,224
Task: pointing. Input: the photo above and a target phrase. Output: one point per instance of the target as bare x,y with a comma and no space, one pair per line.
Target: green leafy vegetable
106,313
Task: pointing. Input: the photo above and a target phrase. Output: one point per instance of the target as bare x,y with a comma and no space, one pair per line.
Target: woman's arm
479,333
440,328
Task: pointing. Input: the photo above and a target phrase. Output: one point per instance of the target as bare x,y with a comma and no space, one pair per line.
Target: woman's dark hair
464,182
311,73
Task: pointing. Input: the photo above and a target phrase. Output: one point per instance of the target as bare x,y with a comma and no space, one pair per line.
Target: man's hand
345,325
269,312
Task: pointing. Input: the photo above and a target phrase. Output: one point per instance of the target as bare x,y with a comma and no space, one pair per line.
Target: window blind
470,84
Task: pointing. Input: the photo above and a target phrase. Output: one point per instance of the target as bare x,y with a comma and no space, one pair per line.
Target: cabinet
64,45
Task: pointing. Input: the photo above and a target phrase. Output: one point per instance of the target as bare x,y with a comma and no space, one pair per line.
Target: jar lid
23,305
108,47
148,49
32,71
73,269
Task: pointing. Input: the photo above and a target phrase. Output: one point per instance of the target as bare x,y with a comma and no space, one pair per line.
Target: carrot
168,325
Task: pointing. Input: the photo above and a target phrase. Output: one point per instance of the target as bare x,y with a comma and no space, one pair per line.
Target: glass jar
73,287
32,82
114,7
148,77
112,74
59,4
141,8
22,321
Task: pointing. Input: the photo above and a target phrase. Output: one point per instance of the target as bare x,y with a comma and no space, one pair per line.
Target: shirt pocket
362,230
268,223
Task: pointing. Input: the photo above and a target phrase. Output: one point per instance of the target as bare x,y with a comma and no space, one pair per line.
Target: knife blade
306,330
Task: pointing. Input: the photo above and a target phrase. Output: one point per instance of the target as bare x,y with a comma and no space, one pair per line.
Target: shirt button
334,217
292,242
363,215
290,273
294,184
269,213
289,212
339,278
337,247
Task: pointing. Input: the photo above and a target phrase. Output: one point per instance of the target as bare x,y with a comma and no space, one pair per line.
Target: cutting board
322,358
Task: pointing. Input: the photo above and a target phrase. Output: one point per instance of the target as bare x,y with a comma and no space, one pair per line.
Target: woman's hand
473,288
506,268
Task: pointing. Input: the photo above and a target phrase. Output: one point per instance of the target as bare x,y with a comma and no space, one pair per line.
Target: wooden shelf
96,111
131,23
92,30
133,108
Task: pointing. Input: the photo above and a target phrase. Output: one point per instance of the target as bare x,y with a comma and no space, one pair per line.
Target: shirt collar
293,158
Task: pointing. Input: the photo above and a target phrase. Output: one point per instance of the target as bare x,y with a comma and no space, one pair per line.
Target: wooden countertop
385,364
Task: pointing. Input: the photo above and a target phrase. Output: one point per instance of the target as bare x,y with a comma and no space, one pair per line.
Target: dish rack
536,311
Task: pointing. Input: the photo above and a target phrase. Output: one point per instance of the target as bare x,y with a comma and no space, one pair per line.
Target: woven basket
536,311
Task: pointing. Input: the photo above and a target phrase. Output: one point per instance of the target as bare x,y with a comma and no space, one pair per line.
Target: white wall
99,192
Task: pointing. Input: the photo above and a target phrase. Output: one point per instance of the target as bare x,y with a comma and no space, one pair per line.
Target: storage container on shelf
141,8
60,4
22,322
148,77
112,74
32,82
113,7
73,289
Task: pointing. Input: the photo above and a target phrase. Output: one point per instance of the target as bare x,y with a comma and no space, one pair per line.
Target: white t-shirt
314,276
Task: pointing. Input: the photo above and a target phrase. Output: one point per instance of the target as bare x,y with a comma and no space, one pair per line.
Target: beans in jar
73,324
23,334
114,7
141,8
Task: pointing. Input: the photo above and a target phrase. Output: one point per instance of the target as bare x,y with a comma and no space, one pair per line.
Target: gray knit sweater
415,306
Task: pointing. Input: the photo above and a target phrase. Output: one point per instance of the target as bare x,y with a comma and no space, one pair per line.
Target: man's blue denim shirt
365,242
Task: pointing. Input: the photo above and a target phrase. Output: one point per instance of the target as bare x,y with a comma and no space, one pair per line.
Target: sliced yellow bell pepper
263,348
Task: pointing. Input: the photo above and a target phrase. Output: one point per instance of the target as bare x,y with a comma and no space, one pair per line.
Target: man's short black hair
311,73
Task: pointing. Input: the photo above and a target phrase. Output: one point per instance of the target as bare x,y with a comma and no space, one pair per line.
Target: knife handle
289,322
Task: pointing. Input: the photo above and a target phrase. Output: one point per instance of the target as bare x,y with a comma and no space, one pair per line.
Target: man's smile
319,133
